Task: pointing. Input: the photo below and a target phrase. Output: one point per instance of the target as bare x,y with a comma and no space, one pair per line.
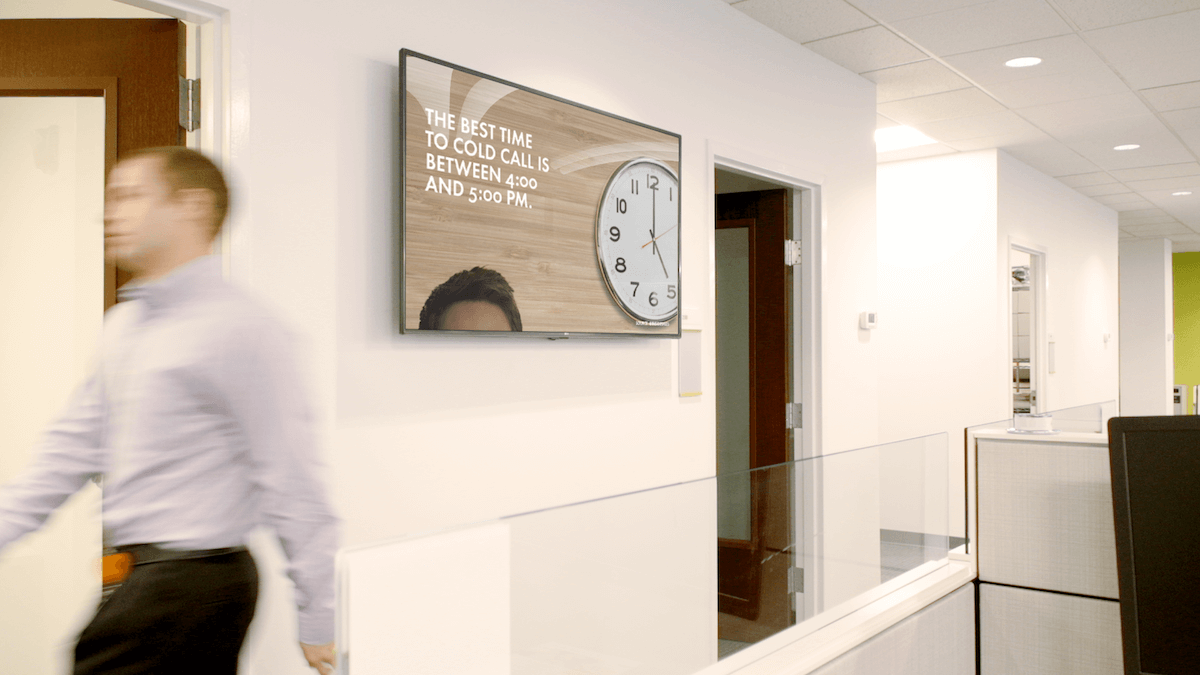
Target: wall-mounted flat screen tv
526,214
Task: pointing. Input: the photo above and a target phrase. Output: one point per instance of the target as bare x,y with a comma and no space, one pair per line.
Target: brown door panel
142,58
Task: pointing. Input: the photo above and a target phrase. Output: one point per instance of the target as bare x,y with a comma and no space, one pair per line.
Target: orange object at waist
116,567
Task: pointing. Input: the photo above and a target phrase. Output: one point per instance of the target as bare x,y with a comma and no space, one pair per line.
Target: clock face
637,239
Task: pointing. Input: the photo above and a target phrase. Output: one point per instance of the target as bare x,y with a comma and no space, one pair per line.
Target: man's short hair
477,283
186,169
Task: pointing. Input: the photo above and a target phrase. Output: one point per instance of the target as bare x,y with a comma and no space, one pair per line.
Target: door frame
1039,260
209,57
808,222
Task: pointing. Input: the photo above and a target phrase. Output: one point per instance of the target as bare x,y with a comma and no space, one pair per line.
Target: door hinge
795,580
793,417
791,251
189,104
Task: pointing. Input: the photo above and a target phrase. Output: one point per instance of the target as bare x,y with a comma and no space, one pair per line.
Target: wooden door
754,599
135,64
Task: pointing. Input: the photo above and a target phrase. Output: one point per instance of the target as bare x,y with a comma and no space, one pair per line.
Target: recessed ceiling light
1023,62
899,138
1128,146
1182,193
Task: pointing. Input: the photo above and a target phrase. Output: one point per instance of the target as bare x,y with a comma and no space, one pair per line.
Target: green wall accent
1186,268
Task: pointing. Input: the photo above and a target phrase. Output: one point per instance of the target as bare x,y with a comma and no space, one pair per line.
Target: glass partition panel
1090,418
648,582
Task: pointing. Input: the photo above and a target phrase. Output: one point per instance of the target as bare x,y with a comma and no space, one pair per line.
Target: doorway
759,546
1027,329
63,126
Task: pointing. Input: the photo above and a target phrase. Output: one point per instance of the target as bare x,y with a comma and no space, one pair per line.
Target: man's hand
319,657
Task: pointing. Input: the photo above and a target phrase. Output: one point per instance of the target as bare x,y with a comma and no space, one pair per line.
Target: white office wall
945,228
941,332
1079,238
1147,325
424,433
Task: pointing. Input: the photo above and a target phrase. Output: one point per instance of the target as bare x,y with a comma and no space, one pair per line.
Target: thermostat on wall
867,320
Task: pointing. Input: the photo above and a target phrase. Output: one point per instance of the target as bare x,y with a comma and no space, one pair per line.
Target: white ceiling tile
1134,217
1174,97
1152,216
806,21
1090,14
1106,189
1159,145
1122,234
1162,230
1152,172
1163,37
882,122
914,79
1124,198
1143,221
1002,124
1057,87
1004,142
895,10
1185,247
1183,120
1187,124
868,49
914,153
1161,71
1085,179
947,105
1185,209
1060,54
991,24
1051,158
1166,152
1173,184
1064,119
1135,206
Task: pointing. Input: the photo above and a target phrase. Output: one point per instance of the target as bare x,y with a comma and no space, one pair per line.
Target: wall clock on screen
637,239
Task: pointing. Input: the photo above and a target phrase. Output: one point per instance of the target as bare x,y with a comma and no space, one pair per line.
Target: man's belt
116,566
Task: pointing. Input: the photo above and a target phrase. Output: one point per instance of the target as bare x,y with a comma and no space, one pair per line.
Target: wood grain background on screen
546,252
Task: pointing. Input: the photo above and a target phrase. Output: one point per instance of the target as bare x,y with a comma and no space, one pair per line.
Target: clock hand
659,254
658,237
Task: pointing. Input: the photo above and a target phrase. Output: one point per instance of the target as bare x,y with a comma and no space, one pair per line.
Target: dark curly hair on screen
475,284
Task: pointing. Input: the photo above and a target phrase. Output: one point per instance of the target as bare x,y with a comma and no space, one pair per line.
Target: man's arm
268,399
67,455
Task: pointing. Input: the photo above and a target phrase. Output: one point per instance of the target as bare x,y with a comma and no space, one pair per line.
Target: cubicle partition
649,582
1045,546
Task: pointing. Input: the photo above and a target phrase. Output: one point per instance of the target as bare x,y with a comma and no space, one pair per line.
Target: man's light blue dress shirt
199,425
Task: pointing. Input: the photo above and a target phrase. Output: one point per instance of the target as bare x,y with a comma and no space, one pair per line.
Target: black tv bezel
402,253
1118,427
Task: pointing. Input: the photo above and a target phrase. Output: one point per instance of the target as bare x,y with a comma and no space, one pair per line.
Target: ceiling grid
1113,73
